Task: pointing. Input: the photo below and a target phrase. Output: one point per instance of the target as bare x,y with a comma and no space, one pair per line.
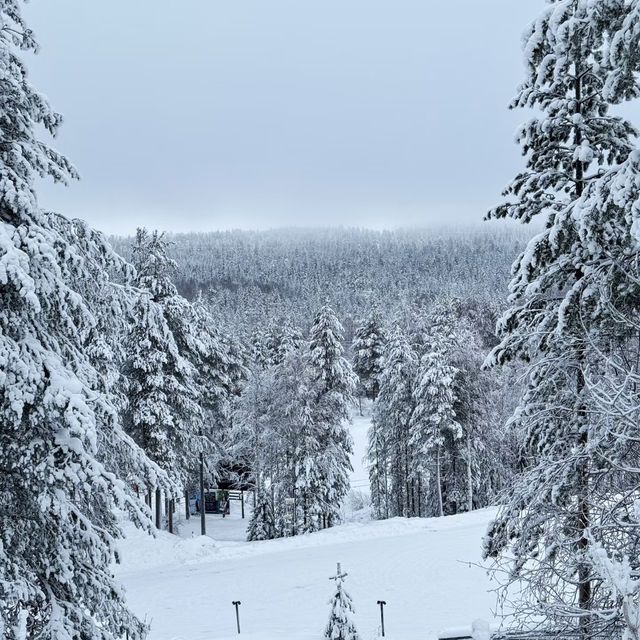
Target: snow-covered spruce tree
100,277
557,508
467,468
433,421
285,339
368,349
270,345
335,385
300,469
341,625
389,453
607,225
218,374
377,458
57,528
253,442
262,523
163,413
276,436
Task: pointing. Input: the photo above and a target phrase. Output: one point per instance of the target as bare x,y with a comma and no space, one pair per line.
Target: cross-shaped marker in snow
339,576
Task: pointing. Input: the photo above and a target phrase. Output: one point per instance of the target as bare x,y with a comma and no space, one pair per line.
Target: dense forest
324,319
250,278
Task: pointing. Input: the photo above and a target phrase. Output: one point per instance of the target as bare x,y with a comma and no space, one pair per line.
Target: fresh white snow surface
425,569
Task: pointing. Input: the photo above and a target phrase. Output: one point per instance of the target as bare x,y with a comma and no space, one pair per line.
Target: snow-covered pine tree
287,339
270,346
258,349
218,373
449,340
102,279
335,386
609,248
578,64
390,431
163,413
57,528
368,349
262,523
341,625
276,436
433,421
300,469
377,457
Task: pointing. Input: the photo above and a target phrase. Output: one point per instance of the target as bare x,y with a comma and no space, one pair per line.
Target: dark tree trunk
158,509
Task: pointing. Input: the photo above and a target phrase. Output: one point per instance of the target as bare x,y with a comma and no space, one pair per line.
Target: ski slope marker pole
236,603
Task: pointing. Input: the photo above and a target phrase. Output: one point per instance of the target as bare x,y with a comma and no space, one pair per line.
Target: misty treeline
251,277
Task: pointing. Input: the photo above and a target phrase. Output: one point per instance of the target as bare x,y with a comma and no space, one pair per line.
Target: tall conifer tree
58,412
335,386
555,510
368,350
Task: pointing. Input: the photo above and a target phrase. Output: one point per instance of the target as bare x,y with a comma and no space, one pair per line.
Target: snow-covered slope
424,569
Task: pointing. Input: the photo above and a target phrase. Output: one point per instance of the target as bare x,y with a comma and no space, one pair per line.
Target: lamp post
382,603
236,604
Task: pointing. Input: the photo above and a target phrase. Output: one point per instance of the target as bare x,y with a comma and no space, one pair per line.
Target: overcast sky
210,114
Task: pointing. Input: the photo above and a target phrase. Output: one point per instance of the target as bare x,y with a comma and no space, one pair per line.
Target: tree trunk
584,582
158,509
584,518
203,519
406,479
469,474
171,508
386,492
187,510
439,484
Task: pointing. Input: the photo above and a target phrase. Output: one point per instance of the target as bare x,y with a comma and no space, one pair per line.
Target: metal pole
236,603
382,603
242,502
203,522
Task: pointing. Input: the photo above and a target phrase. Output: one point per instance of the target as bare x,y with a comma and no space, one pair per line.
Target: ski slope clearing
423,568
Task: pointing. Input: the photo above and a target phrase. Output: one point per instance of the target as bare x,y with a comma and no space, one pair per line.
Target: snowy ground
424,569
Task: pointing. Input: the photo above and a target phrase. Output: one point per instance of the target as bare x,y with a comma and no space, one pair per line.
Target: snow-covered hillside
422,568
425,569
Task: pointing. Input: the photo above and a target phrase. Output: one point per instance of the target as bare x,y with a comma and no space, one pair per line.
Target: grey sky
204,114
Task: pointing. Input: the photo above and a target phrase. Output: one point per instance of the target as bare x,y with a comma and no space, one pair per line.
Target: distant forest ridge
249,278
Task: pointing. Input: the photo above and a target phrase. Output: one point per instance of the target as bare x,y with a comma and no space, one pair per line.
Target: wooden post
158,509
